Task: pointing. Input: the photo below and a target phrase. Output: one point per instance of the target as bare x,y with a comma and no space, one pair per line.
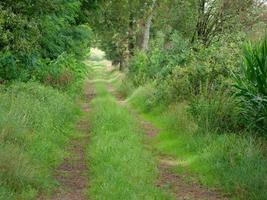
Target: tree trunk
145,44
131,35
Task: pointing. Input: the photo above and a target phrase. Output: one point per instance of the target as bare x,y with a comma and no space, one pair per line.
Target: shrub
65,73
38,35
252,86
139,68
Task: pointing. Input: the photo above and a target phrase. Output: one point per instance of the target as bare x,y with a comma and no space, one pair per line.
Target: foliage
34,34
138,68
65,73
118,26
252,86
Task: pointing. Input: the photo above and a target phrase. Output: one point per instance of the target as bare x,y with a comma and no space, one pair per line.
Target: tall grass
35,124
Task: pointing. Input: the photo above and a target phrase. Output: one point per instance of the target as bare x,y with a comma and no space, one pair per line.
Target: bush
139,69
39,35
65,73
252,86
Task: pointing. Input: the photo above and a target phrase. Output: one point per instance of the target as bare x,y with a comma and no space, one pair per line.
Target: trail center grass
120,165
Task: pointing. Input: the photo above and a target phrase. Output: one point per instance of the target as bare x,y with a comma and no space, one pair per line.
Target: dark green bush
252,86
34,34
65,73
139,71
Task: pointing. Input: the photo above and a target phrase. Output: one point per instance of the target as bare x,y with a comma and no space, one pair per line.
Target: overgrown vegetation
42,45
42,40
231,162
182,60
208,116
210,94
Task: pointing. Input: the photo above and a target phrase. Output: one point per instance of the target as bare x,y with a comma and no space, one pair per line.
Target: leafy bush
160,61
34,126
38,35
66,73
139,68
252,86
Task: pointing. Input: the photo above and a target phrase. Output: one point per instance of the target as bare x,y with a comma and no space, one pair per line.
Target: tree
216,16
116,23
148,26
35,32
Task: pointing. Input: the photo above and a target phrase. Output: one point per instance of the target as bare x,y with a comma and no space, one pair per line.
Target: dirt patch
73,172
71,175
182,188
148,129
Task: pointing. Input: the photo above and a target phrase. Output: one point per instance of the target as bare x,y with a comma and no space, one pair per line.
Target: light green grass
234,163
120,166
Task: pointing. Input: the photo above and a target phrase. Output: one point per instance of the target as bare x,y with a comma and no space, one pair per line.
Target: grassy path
177,184
180,186
120,165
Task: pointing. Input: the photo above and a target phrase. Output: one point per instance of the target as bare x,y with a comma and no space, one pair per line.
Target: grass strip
120,165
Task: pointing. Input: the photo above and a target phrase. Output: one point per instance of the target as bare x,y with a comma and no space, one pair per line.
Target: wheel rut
168,180
72,174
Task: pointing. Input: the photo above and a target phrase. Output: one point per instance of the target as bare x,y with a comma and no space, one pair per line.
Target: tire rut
168,180
72,174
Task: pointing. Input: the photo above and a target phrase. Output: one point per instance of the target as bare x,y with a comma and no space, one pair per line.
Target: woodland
131,99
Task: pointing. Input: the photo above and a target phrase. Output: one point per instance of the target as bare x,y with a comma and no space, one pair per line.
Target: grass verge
35,125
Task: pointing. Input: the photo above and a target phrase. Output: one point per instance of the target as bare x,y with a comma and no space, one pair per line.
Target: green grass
120,165
234,163
35,126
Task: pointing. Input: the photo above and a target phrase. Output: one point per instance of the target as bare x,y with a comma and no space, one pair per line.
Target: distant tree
116,23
